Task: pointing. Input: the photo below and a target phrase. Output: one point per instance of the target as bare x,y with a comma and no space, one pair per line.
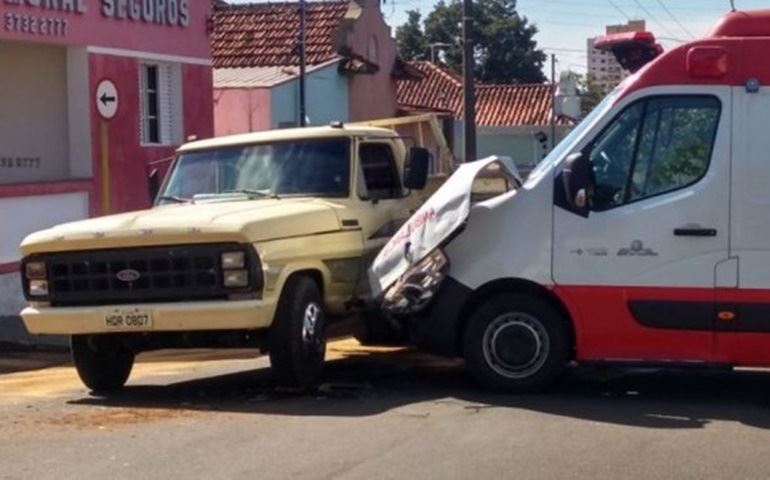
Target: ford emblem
128,275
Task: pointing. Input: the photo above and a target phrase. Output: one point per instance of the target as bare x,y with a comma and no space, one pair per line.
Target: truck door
382,207
638,270
743,298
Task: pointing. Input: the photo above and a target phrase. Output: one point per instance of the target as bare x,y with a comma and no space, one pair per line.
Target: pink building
92,92
351,57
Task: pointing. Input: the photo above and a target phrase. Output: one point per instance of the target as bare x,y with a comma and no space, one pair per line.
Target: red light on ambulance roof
707,62
621,39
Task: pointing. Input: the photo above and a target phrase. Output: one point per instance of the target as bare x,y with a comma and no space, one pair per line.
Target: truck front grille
140,275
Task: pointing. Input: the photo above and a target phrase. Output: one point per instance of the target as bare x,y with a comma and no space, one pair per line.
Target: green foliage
411,42
591,93
504,47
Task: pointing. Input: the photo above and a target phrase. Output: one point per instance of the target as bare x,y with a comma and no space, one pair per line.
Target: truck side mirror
577,182
153,184
416,168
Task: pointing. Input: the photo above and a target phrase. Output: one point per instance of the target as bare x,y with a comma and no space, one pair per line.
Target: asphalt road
383,413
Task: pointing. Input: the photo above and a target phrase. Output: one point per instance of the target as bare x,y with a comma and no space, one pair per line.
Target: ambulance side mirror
153,184
577,183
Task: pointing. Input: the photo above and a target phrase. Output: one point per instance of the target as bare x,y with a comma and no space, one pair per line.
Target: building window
160,104
151,122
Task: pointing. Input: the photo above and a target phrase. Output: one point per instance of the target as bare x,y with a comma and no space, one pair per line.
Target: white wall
33,113
519,143
21,216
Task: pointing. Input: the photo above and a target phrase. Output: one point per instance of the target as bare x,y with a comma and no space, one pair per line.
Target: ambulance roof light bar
633,50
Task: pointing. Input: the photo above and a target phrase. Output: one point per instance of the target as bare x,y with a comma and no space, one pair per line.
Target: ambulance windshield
568,143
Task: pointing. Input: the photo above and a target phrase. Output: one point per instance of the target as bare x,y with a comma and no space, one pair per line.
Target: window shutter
169,106
142,104
165,91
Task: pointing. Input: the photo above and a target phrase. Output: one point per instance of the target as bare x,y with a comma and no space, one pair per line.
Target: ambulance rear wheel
298,335
516,343
102,363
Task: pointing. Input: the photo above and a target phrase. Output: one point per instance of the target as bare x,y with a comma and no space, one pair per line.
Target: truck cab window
655,146
379,170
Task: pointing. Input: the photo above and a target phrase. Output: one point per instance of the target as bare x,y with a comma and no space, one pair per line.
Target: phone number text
19,162
25,23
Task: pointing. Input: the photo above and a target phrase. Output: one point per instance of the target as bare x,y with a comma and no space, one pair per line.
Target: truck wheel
377,329
516,343
102,365
298,335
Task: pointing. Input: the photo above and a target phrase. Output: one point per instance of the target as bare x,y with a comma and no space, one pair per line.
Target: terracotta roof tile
265,34
440,89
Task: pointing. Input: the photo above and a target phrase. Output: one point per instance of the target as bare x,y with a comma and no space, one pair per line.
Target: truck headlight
36,271
416,288
236,278
38,288
233,260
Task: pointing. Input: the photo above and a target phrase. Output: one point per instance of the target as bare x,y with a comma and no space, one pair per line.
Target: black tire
101,362
377,329
516,343
297,348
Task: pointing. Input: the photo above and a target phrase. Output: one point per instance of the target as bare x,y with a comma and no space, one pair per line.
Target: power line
676,20
619,9
653,18
598,3
560,49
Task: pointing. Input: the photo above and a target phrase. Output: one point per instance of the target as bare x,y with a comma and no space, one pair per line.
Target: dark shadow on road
370,383
19,360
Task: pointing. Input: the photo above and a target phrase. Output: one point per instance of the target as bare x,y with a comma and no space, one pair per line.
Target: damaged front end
409,271
414,291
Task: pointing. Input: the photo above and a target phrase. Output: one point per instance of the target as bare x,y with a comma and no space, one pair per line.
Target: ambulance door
743,325
637,266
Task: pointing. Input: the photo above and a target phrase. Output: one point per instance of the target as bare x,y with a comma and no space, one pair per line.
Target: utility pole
553,101
469,93
302,64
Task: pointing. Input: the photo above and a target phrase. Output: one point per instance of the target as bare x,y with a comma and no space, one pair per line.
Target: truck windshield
315,167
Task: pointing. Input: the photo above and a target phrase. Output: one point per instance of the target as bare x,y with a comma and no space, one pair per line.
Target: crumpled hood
440,217
215,221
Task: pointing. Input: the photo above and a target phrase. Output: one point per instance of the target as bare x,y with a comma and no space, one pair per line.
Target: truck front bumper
166,317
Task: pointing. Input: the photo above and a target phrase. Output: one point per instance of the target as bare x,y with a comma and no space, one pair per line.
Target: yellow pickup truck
255,240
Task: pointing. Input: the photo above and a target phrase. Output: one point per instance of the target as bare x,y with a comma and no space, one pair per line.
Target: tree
504,48
410,40
591,93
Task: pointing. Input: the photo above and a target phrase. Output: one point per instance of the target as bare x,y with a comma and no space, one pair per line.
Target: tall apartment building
602,66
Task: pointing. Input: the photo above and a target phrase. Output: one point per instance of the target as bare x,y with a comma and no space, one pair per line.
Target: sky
564,25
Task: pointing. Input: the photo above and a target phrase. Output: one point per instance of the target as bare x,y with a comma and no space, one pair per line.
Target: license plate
128,319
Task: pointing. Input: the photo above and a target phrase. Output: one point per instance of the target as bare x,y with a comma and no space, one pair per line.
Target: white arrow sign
107,99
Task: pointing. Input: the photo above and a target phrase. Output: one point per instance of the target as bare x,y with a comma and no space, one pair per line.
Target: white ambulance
643,238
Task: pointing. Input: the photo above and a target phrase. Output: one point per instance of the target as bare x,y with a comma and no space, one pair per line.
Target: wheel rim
312,326
516,345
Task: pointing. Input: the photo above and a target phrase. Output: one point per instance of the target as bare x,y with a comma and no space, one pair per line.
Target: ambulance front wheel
516,343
